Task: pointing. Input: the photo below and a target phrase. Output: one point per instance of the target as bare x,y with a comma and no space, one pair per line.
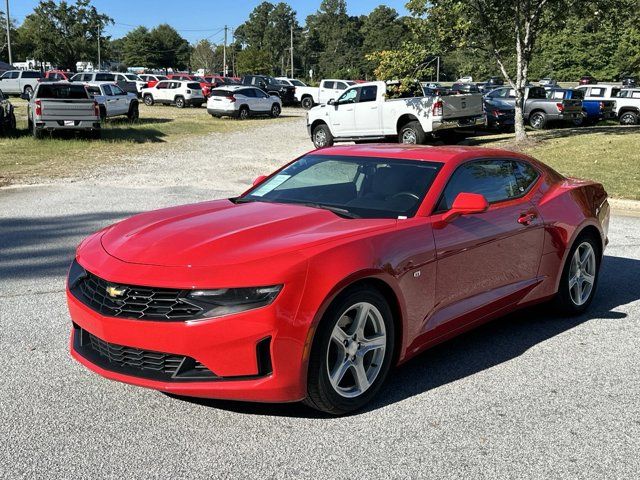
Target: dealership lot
531,394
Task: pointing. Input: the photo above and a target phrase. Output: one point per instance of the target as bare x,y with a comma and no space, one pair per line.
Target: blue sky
195,19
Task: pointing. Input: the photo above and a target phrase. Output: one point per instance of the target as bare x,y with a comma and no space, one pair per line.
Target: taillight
96,109
38,107
231,98
560,107
601,106
437,109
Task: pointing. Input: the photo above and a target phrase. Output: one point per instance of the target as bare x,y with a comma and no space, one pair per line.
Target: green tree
253,60
203,56
139,49
172,50
382,29
64,33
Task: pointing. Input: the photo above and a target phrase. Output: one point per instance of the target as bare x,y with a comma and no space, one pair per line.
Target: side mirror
332,102
25,96
466,204
259,180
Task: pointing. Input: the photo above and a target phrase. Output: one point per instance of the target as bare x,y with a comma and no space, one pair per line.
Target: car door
489,260
122,99
10,82
160,91
262,101
111,102
342,114
368,116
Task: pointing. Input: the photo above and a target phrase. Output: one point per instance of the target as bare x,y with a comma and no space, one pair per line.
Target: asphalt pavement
531,395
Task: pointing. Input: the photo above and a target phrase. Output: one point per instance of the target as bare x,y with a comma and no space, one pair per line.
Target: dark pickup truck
592,110
538,109
272,87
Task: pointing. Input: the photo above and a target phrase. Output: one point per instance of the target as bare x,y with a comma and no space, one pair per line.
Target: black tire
628,118
322,137
28,90
275,110
243,113
12,122
95,134
134,112
180,103
148,100
103,113
538,120
321,394
581,121
563,300
197,105
412,134
307,102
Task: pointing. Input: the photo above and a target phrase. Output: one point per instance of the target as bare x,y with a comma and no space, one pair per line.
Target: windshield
356,187
297,83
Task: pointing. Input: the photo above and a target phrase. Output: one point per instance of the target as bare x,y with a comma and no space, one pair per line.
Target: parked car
151,80
294,82
538,109
322,277
272,86
242,102
548,82
126,79
113,101
177,92
328,90
627,100
110,77
593,110
56,76
205,86
7,115
464,88
17,82
629,82
587,80
490,84
467,79
500,115
62,106
366,112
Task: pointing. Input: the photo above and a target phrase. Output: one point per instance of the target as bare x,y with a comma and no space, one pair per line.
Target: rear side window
31,75
597,92
368,94
68,92
537,93
340,86
105,77
194,86
556,94
578,95
495,179
330,85
526,176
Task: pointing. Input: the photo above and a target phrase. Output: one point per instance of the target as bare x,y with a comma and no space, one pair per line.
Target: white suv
242,102
178,92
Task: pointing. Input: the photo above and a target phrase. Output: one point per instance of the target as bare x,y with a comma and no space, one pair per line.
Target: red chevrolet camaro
321,277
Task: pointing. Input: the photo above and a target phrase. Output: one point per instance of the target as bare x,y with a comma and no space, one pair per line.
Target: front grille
136,362
137,302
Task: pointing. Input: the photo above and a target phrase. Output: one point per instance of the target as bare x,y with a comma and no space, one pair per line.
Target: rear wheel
134,112
412,134
103,113
538,120
307,103
28,90
628,118
351,353
243,113
579,276
180,103
275,110
322,136
148,100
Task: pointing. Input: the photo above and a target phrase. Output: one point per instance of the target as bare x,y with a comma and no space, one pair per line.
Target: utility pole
99,59
292,50
9,34
224,53
438,70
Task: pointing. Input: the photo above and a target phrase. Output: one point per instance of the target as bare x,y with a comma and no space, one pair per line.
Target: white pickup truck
366,112
328,89
627,100
114,101
17,82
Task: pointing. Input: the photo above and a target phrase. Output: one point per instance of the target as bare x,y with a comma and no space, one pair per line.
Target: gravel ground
527,396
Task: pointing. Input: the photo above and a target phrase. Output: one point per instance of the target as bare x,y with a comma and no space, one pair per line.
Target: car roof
234,87
445,154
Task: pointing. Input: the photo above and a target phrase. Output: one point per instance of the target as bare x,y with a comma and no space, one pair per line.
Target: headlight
76,273
225,301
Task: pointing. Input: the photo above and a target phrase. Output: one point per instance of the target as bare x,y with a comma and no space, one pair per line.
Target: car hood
224,233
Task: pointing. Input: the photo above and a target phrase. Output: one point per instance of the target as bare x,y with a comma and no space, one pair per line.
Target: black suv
272,87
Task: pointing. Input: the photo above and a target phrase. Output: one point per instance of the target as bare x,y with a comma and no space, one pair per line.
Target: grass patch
607,154
21,156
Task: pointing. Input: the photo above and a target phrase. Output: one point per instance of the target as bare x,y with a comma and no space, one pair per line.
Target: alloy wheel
356,350
582,274
320,138
409,137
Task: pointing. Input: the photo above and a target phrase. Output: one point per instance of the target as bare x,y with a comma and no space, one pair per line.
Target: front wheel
322,136
352,352
629,118
579,276
412,134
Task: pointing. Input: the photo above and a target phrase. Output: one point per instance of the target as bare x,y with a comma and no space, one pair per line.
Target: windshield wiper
337,210
238,200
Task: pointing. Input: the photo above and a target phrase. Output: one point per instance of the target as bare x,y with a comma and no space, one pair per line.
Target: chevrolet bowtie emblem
114,291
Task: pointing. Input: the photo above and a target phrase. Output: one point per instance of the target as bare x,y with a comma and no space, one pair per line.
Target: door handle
526,218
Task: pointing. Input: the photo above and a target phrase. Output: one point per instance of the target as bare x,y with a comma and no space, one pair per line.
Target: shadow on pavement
492,344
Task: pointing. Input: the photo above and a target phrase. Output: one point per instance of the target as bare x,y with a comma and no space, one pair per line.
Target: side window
597,92
340,86
615,92
495,179
261,94
14,75
537,93
368,94
117,90
556,94
93,91
161,85
248,92
526,176
349,96
329,85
